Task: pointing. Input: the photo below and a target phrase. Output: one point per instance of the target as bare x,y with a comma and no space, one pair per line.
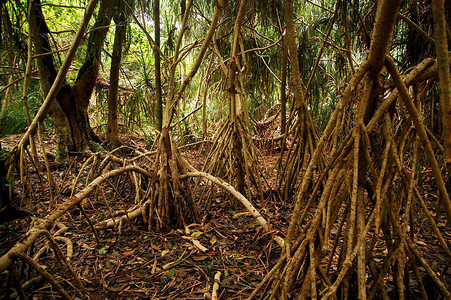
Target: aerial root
171,199
233,158
29,261
304,142
191,172
335,245
101,177
43,274
339,229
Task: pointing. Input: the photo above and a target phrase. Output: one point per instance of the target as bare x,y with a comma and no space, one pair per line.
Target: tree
158,96
4,190
363,188
12,43
441,42
121,19
173,202
233,155
305,134
283,89
70,111
365,184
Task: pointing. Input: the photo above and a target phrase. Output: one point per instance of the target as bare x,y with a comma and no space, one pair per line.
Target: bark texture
121,20
70,111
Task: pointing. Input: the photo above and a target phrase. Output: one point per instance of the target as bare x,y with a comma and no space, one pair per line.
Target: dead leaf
421,243
196,233
127,253
199,257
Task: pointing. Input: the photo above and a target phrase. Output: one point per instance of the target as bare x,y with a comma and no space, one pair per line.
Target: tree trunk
4,190
112,132
441,45
292,48
173,200
283,87
47,73
158,97
9,47
305,135
121,20
70,111
235,99
82,132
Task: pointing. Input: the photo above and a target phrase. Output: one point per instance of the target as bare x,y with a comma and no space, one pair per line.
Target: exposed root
171,201
40,228
190,172
305,135
344,228
304,141
233,158
28,260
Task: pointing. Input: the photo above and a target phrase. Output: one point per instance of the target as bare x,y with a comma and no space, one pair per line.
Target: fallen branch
237,195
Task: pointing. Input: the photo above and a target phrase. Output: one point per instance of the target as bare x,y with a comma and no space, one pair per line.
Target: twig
214,292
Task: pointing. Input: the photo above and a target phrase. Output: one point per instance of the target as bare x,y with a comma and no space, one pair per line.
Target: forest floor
135,263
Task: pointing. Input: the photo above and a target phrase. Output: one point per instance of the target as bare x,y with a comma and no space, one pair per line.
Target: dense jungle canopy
272,149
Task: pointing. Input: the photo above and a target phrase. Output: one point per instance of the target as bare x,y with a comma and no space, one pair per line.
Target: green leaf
171,272
181,256
196,233
103,250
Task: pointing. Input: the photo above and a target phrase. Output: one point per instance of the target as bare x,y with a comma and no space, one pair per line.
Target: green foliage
264,23
149,140
15,119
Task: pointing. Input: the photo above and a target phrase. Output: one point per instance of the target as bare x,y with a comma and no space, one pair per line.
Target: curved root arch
42,229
